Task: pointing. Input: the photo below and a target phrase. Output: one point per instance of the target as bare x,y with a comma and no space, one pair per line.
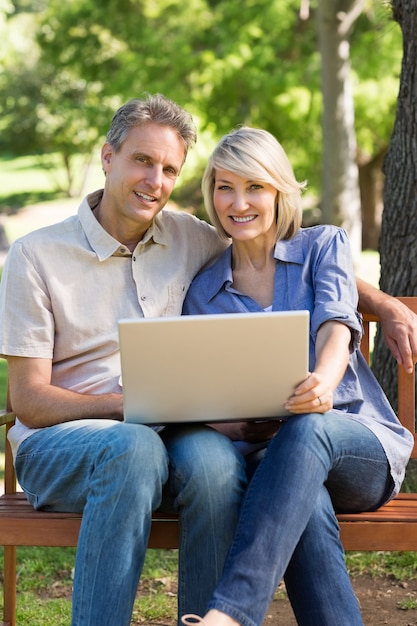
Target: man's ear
106,155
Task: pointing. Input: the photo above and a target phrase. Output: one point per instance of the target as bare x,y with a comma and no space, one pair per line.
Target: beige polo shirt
64,288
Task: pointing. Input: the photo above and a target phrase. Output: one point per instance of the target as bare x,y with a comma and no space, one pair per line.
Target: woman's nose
240,202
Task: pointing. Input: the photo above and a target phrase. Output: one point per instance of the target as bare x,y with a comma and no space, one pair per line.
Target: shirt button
122,250
143,297
134,258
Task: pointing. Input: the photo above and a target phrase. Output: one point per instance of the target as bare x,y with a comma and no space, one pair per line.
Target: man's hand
398,323
399,328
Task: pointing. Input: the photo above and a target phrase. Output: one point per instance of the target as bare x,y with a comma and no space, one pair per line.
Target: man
63,290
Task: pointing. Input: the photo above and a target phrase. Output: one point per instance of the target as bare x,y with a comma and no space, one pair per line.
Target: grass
45,583
29,180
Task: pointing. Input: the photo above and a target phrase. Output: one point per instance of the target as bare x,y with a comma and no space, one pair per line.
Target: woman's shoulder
321,231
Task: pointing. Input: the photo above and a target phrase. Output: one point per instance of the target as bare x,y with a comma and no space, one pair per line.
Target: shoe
185,619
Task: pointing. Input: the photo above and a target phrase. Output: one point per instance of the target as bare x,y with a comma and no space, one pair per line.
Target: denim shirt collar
288,251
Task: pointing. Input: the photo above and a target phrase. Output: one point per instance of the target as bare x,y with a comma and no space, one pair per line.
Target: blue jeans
316,464
116,475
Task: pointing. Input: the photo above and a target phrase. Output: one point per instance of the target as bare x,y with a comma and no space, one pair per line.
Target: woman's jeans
116,474
287,528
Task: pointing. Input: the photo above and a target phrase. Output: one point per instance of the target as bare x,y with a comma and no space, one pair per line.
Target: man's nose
154,177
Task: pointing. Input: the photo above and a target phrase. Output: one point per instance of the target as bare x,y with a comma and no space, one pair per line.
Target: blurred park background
294,67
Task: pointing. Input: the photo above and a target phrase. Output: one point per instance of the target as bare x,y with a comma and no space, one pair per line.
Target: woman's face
245,207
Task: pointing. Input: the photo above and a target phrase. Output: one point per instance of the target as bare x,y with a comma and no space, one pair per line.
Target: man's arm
37,403
398,323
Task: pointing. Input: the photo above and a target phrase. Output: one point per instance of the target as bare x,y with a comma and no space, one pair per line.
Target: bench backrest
406,382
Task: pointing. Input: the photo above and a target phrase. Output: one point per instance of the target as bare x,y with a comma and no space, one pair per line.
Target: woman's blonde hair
255,154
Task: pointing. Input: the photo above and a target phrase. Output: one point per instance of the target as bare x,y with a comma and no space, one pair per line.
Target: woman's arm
315,394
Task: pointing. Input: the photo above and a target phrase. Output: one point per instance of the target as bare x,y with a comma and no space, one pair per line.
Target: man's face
141,175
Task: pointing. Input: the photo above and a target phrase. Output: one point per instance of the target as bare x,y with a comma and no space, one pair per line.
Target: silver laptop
208,368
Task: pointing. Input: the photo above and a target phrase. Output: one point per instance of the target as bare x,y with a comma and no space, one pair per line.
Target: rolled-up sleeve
336,296
315,272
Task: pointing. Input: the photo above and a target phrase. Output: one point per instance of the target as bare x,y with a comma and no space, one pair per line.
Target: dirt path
383,601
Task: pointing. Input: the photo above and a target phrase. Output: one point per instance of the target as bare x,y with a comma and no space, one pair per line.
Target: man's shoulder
182,218
49,232
215,271
182,228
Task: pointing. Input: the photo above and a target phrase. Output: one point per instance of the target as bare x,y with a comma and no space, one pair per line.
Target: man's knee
135,447
206,460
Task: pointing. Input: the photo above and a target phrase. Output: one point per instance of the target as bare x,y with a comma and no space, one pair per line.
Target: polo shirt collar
103,244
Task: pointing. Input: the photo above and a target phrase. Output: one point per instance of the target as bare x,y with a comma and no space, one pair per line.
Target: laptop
208,368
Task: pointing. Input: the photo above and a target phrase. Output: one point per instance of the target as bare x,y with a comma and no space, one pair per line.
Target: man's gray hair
155,109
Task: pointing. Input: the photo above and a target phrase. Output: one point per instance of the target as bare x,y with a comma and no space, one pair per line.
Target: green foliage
376,59
68,66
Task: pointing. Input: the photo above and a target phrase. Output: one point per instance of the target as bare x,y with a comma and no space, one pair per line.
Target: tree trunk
371,185
398,241
340,186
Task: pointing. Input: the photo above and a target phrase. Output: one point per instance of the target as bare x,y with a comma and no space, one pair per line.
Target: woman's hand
315,394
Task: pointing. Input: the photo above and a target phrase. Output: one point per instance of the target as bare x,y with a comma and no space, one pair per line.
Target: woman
343,449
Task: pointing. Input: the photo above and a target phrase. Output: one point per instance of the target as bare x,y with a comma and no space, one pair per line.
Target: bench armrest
7,418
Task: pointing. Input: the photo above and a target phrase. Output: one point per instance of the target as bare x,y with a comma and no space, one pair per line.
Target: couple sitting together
63,290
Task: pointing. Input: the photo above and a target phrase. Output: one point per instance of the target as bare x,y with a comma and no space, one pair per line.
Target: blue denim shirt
314,272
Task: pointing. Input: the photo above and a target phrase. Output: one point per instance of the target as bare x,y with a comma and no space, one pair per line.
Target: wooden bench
393,527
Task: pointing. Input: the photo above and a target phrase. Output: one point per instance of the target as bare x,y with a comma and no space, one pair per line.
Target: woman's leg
317,582
207,481
285,493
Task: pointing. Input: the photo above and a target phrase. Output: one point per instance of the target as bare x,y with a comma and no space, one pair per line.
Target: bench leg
9,590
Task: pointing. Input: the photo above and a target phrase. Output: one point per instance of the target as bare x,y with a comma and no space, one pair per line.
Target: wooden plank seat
392,527
21,525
